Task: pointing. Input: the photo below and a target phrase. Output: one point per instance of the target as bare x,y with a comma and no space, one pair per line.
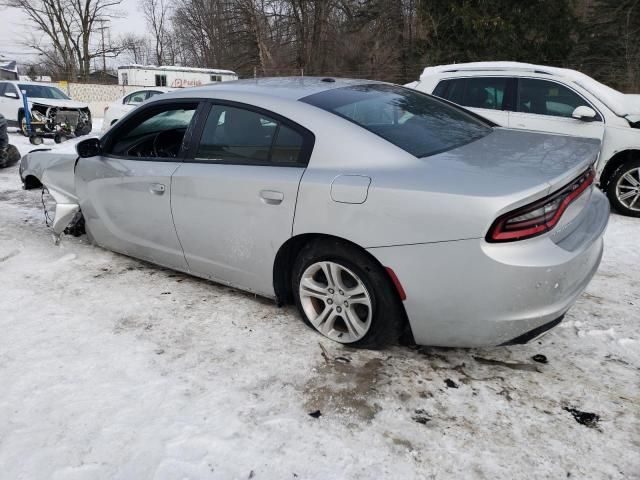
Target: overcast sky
14,28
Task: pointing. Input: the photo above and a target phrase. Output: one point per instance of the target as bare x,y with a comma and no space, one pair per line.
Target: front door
233,203
125,194
546,106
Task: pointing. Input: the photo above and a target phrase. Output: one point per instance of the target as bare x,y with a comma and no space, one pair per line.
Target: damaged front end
55,120
56,172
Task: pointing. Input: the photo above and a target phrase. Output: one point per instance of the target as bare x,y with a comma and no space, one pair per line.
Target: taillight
541,216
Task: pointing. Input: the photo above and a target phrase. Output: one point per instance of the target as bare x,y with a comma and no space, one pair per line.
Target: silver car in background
376,209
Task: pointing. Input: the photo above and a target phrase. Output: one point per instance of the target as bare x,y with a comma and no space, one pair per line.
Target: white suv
555,100
51,110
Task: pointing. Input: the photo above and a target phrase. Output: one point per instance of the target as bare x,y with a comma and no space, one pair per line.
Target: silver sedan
378,210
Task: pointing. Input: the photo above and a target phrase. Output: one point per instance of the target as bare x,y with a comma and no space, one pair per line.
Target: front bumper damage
46,119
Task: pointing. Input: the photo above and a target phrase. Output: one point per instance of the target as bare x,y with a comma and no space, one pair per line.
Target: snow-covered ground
111,368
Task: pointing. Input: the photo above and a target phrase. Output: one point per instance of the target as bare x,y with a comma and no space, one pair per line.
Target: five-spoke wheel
346,295
335,301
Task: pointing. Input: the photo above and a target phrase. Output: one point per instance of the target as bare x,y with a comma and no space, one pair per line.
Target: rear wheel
346,295
623,188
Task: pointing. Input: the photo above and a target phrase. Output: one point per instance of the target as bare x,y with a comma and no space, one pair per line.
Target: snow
620,103
112,368
67,146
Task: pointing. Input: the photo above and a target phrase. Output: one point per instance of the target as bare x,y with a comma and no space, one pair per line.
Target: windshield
42,91
419,124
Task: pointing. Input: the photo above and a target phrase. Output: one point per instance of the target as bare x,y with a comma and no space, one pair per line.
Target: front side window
155,133
135,98
547,98
10,88
475,92
42,91
419,124
237,135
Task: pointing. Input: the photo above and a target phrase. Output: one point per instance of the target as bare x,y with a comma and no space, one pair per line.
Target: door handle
157,188
271,197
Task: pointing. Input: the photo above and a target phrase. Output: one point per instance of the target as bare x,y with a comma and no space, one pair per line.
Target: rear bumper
470,293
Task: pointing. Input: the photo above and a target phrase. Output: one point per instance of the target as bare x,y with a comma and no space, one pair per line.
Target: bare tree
156,13
135,48
67,28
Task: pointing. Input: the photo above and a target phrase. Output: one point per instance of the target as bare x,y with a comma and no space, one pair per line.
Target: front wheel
346,295
623,188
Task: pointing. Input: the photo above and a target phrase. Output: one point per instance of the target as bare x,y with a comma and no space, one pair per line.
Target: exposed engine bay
46,119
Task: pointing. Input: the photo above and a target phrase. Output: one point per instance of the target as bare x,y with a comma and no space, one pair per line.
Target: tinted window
477,92
42,91
287,146
418,123
11,88
233,134
2,88
547,98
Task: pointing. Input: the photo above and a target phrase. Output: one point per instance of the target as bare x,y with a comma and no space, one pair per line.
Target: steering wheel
167,144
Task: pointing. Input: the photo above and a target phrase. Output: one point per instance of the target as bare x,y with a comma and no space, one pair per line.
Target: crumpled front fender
58,178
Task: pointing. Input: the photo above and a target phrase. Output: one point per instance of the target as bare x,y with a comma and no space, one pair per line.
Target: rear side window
419,124
548,98
477,92
242,136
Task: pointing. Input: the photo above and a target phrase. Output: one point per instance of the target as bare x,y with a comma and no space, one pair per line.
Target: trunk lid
521,159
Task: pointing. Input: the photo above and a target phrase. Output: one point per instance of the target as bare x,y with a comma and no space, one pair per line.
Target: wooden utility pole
102,28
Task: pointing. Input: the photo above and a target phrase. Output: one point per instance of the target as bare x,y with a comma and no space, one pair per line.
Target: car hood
54,102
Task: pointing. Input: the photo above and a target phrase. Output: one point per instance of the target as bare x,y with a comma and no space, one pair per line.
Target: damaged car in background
379,211
52,112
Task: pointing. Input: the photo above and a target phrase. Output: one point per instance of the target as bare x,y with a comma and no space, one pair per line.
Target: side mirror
90,147
584,113
13,95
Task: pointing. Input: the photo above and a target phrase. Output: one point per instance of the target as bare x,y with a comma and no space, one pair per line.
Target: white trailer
171,76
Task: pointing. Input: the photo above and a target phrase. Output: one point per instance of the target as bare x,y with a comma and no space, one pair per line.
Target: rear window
419,124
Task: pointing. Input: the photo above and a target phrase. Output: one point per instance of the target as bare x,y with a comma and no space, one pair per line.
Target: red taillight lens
541,216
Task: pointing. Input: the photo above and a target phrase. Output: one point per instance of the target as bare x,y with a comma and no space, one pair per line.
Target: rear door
233,203
546,106
125,193
490,97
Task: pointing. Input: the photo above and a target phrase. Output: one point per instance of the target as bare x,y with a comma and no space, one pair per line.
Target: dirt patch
344,386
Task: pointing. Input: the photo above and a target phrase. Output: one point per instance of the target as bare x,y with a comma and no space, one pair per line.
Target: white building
171,76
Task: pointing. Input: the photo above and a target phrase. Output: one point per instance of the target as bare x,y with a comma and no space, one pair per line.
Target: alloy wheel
628,189
336,301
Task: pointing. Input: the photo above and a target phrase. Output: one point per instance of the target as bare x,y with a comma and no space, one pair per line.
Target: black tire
612,188
20,127
84,129
388,320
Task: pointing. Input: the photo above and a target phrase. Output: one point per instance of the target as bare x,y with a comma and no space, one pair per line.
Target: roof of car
616,101
292,88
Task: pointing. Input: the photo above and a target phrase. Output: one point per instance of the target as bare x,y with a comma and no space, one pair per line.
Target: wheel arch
287,254
31,182
614,162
